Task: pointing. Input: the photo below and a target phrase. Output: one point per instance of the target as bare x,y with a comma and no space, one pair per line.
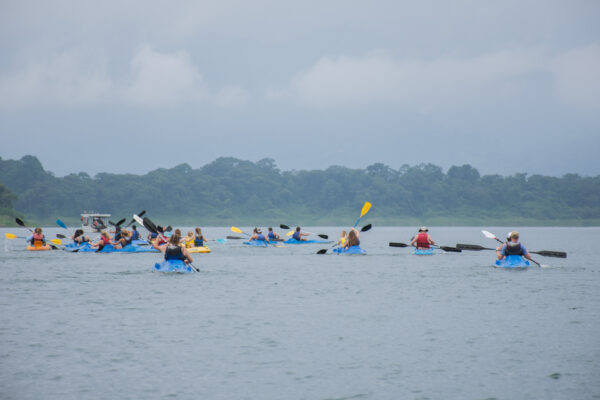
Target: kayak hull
424,252
257,243
512,262
352,250
201,249
294,241
173,266
109,248
39,248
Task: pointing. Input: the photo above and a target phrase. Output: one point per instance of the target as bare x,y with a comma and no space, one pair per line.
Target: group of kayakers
175,247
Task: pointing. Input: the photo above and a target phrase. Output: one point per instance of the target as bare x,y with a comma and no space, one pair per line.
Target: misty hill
233,191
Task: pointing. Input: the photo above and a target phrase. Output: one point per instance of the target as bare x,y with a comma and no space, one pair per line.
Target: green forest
232,191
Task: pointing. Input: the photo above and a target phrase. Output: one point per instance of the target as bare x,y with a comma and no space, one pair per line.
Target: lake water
284,323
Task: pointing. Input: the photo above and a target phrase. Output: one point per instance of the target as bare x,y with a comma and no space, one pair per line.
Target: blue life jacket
135,235
296,235
174,253
260,237
271,235
153,235
198,241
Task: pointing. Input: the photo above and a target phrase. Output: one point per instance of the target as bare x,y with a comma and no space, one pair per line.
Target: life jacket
422,241
296,235
198,241
342,241
105,240
117,235
174,253
153,235
135,235
515,250
271,235
260,237
38,240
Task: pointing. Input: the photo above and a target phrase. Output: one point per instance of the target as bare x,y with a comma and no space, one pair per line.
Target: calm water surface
284,323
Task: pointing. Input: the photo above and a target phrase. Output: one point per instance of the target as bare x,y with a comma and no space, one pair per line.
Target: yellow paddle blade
365,209
290,233
56,241
10,236
236,230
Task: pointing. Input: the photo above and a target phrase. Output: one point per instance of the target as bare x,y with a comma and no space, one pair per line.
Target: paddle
133,219
490,235
234,237
119,223
148,224
445,248
290,233
545,253
62,225
363,229
365,209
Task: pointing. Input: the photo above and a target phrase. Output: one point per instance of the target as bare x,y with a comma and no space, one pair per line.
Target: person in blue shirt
272,235
258,235
299,236
135,235
513,248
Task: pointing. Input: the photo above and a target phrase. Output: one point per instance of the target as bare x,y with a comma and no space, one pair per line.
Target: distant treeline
232,191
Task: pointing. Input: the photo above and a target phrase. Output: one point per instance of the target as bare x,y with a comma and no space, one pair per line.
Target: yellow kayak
202,249
39,248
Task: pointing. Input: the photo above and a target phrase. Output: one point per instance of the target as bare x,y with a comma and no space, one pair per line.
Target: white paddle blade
138,219
489,235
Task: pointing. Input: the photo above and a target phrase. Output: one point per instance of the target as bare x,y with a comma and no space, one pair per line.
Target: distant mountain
233,191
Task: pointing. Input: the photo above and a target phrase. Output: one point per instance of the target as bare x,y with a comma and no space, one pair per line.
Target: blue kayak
109,248
257,243
173,266
294,241
350,250
424,252
512,262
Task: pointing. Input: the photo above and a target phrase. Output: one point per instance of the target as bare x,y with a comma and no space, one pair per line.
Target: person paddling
299,236
103,241
353,238
79,238
37,239
173,250
135,235
513,248
343,238
124,240
258,235
199,238
272,235
422,240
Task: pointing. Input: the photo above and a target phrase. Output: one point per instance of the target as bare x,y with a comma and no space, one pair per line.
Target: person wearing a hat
422,240
513,248
258,235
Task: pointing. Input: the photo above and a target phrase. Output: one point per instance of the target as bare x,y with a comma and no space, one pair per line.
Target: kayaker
422,239
258,235
135,235
299,235
272,235
199,238
353,239
173,250
507,240
124,240
343,239
117,236
103,241
513,248
79,238
37,239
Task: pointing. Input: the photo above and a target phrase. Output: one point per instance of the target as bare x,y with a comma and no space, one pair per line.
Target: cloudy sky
128,86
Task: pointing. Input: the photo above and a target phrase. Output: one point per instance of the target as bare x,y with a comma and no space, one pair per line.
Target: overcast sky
129,86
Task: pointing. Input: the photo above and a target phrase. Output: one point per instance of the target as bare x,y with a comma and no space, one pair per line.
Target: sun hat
423,229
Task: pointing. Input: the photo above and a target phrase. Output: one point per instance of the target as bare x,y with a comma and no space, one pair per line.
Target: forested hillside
232,191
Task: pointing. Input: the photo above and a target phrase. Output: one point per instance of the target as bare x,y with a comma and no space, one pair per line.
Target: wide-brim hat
423,229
